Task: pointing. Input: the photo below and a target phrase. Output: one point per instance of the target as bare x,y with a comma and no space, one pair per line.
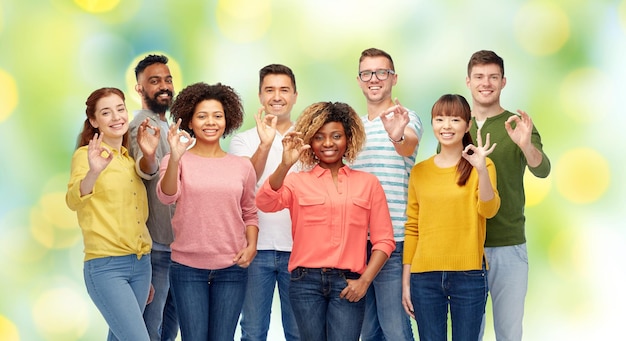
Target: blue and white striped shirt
380,158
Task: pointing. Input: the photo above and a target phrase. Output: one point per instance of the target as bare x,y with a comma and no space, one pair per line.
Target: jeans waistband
324,270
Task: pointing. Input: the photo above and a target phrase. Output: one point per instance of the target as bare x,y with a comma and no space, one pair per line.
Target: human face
208,121
486,83
156,88
111,119
449,130
329,144
375,90
278,96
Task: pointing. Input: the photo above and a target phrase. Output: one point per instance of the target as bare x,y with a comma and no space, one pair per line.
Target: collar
319,171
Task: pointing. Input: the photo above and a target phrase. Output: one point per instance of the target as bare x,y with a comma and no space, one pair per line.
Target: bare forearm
259,159
277,178
169,183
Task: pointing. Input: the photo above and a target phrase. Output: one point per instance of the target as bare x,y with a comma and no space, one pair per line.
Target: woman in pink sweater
451,195
215,224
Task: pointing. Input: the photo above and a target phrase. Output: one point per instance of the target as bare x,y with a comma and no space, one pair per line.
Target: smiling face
156,88
329,145
375,90
111,119
449,130
278,96
486,83
208,121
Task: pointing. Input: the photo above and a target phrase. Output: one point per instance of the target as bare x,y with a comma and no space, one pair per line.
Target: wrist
398,141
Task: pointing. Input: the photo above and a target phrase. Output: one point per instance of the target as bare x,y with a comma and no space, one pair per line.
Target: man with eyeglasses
393,134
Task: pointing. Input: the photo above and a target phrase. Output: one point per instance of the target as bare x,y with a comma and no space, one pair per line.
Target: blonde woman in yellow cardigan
451,195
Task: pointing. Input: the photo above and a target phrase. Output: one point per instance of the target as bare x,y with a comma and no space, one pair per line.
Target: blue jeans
267,268
466,294
385,319
320,313
508,284
160,314
208,302
119,288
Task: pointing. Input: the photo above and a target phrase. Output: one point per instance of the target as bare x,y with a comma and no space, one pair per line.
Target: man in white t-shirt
263,145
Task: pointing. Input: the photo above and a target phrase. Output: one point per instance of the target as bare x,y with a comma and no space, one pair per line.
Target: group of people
331,208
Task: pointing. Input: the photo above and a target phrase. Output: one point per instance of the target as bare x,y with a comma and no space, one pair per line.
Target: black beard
154,104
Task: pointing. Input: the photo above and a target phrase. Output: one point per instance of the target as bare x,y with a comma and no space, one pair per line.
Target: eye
337,136
317,138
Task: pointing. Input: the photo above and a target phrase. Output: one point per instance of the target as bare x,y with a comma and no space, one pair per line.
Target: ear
138,88
469,126
93,123
503,82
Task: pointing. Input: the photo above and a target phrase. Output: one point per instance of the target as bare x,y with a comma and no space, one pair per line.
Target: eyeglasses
382,75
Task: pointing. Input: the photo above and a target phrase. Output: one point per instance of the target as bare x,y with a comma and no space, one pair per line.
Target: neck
211,150
115,142
374,109
284,125
482,112
448,156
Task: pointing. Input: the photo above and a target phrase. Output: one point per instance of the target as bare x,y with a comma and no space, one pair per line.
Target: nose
328,141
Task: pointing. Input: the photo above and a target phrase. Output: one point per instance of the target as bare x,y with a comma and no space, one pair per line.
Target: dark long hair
456,105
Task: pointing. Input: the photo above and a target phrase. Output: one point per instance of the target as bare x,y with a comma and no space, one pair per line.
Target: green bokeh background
564,64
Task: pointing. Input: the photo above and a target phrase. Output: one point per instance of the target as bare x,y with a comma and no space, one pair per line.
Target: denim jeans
267,268
320,313
208,302
160,314
508,284
465,292
119,288
385,319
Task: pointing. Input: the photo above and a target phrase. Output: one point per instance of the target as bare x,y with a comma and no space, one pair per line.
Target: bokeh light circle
8,330
243,20
582,175
542,28
585,96
97,6
8,95
536,189
62,313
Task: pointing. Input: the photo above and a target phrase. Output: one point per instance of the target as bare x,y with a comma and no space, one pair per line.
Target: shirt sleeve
543,170
78,171
381,229
268,200
164,198
488,209
239,147
248,206
411,234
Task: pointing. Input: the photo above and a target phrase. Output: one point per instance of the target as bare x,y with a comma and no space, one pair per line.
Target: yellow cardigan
446,223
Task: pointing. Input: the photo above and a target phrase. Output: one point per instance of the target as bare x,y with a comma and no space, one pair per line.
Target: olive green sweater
507,226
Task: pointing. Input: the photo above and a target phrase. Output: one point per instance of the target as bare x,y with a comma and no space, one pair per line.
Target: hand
293,146
479,152
522,131
355,290
406,301
395,119
150,294
265,126
179,140
97,162
245,256
148,142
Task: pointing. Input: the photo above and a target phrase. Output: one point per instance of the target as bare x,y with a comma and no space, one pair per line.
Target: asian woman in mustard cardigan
451,195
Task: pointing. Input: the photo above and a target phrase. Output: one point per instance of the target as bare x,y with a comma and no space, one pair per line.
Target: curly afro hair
316,115
187,100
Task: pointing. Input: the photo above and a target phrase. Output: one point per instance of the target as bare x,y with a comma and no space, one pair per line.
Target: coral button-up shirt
330,224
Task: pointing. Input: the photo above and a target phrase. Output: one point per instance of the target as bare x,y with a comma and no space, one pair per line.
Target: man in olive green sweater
519,147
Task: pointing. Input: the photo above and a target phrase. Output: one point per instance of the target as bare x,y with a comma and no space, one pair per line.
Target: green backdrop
564,62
